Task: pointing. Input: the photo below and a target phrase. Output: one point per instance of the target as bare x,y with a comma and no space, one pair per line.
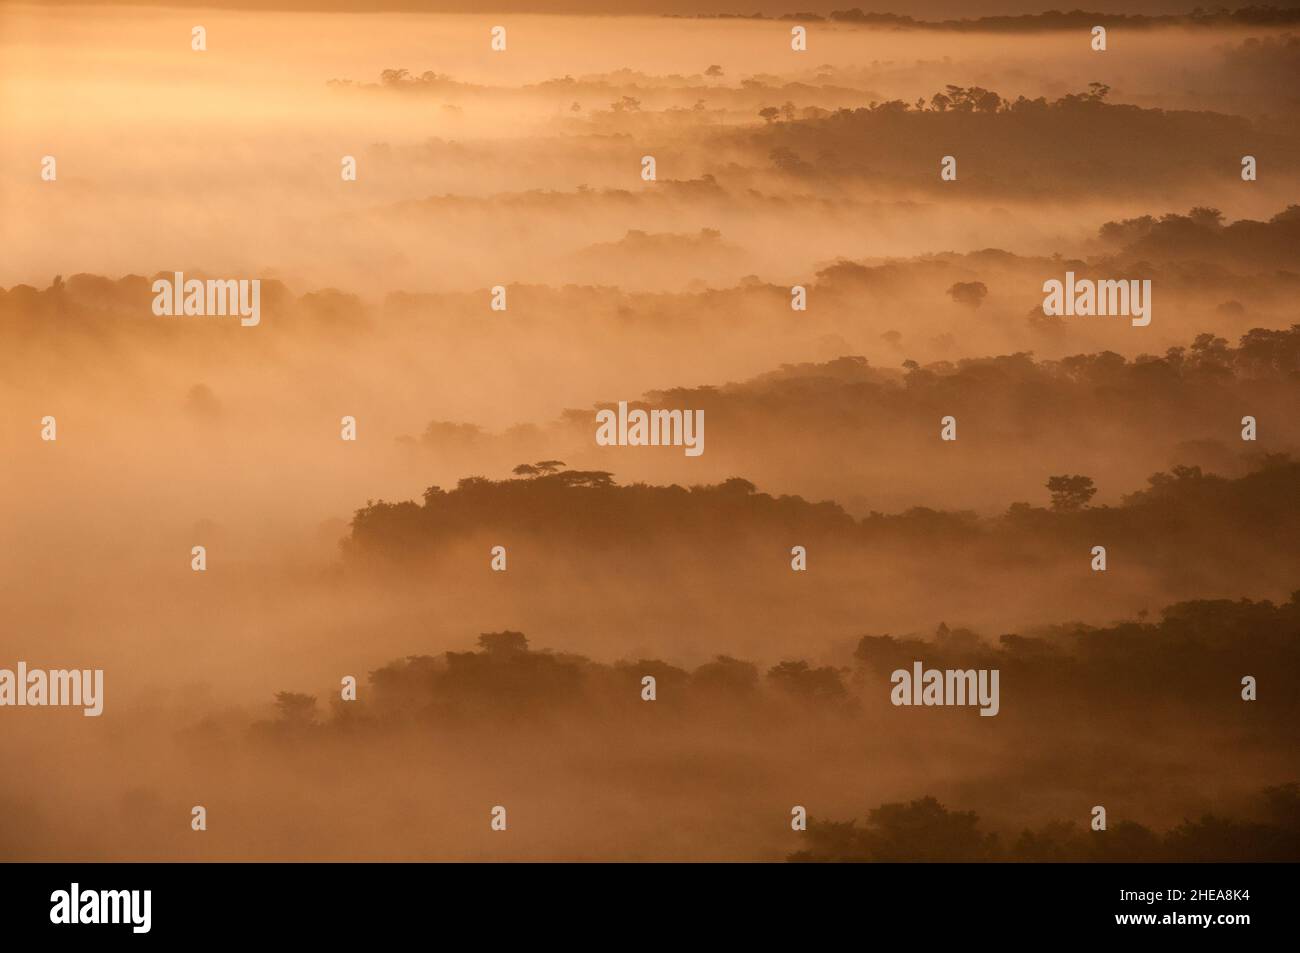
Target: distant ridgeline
1253,16
1181,657
580,508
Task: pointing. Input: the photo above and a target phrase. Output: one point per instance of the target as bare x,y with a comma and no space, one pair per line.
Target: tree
587,478
713,71
1206,217
726,675
503,643
787,161
985,100
925,830
769,113
800,679
296,708
969,293
1070,493
540,468
737,486
921,830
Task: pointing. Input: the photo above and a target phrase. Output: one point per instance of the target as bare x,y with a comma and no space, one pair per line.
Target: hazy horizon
464,267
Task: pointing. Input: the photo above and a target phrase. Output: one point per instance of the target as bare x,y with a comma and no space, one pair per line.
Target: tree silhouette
503,643
295,708
1070,493
590,478
969,293
800,679
920,830
541,468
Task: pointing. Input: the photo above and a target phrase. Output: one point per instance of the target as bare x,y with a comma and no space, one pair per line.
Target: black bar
462,904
